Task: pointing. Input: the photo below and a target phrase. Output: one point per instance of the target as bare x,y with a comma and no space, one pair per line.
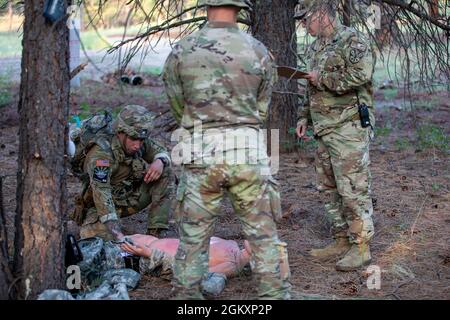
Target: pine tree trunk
273,25
389,29
5,271
41,190
433,7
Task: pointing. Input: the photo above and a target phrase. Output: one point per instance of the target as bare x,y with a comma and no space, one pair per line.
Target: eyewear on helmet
135,138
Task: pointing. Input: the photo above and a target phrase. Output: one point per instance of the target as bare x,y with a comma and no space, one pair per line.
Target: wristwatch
164,160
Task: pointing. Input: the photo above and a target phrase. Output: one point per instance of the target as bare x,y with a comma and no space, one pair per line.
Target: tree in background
269,21
41,190
272,23
413,34
6,277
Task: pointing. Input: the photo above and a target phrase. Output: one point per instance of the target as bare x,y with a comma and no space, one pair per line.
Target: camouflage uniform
223,78
114,186
345,62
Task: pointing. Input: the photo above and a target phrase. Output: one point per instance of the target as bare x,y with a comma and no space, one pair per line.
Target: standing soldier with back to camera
341,65
222,78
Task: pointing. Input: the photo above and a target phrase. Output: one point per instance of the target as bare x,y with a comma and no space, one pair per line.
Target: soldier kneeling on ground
123,172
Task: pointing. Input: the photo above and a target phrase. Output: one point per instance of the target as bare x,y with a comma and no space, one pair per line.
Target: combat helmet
244,4
135,121
304,7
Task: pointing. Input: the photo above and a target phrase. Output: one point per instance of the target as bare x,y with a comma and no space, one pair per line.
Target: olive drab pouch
79,213
123,193
138,167
82,204
85,137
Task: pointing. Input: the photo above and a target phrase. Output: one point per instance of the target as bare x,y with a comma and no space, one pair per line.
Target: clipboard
291,73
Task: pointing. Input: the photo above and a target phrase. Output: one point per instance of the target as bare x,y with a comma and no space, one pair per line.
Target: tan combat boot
340,246
357,257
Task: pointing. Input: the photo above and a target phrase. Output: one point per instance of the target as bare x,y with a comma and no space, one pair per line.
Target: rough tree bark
389,29
5,271
433,7
41,191
273,25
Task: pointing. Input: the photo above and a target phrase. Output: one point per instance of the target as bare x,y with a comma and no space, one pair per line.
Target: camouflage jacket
220,76
113,174
345,62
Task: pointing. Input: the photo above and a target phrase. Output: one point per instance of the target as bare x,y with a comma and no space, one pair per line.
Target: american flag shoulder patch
102,163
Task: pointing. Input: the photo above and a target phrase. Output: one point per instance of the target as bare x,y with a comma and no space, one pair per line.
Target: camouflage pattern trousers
342,166
154,195
256,202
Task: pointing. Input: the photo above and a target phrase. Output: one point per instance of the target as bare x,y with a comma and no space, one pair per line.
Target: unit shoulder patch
357,51
101,174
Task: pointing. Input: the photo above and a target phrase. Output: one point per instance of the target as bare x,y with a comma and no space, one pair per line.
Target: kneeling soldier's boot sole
353,268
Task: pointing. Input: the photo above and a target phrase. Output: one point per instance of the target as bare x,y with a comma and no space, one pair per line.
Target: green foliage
153,70
431,136
308,144
92,41
85,107
436,187
383,131
116,111
86,111
403,143
428,104
3,4
11,44
390,94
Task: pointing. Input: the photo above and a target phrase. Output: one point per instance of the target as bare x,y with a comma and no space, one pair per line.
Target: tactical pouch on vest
79,213
138,169
82,203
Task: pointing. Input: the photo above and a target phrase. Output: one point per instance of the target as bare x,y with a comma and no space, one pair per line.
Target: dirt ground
411,193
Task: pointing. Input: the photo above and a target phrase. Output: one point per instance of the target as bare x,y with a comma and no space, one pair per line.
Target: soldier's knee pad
96,229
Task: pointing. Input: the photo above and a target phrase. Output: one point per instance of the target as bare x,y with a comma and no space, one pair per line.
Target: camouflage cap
303,7
244,4
135,121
